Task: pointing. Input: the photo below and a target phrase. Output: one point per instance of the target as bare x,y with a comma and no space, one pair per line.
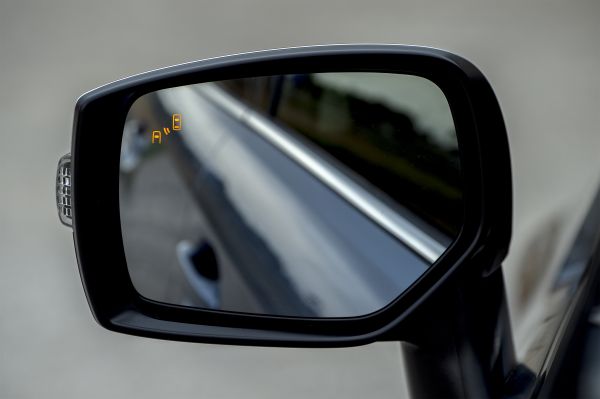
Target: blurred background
541,57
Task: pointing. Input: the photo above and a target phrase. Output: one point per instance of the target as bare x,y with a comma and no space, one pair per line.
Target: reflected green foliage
376,141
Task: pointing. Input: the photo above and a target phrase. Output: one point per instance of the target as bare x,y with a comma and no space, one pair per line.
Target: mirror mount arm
461,342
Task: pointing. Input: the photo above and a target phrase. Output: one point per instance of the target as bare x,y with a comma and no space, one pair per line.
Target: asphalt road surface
541,57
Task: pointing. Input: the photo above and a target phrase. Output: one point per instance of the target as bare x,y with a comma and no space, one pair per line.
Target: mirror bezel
115,303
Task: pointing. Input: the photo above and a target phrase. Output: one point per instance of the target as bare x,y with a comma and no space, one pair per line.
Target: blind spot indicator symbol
157,134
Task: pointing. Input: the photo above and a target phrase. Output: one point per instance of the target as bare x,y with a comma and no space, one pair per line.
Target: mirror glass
308,195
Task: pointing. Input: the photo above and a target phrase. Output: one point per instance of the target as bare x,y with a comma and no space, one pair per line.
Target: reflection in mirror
315,195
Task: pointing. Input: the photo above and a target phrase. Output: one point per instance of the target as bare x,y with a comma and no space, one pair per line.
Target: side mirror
312,196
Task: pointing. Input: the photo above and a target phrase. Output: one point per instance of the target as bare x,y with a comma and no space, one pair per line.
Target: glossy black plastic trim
96,144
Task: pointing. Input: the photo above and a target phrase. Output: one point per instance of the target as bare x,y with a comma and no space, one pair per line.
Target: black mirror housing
100,115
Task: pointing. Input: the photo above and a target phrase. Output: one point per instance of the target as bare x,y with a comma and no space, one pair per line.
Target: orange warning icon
176,121
157,135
